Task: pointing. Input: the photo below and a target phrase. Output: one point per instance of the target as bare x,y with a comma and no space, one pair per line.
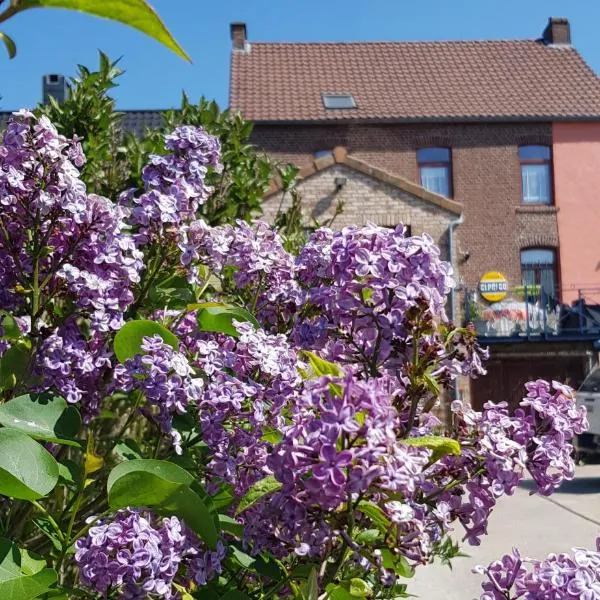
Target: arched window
435,171
538,271
536,174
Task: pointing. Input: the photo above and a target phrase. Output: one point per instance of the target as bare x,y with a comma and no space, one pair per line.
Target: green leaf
272,435
368,536
230,525
128,450
219,319
398,564
135,13
338,592
27,470
10,329
224,497
174,292
128,341
258,491
244,560
70,472
360,588
13,366
165,487
432,384
321,367
375,514
441,446
43,417
311,591
43,524
22,577
270,567
185,595
11,47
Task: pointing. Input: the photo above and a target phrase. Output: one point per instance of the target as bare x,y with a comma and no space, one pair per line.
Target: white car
588,395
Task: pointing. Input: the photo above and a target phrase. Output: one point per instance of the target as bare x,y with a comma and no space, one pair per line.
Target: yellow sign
493,286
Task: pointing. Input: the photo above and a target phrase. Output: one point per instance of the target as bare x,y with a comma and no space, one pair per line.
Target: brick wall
486,179
365,199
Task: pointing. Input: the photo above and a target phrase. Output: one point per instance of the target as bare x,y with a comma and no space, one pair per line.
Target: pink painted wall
576,156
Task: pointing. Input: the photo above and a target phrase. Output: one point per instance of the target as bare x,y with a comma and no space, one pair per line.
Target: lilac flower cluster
141,556
165,378
343,438
557,419
260,264
79,247
499,448
174,183
366,290
67,262
558,577
75,366
249,381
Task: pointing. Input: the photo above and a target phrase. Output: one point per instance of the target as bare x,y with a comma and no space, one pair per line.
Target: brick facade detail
366,199
485,175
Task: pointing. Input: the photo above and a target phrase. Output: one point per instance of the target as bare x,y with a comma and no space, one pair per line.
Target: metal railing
534,312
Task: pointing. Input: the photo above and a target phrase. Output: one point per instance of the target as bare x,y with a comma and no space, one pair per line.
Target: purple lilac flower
165,377
174,185
557,419
500,448
87,255
573,576
261,265
141,556
361,288
249,381
75,366
337,445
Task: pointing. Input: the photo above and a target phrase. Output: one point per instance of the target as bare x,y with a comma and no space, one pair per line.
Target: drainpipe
451,227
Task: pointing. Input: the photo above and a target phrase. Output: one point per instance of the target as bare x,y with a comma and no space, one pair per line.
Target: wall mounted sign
493,286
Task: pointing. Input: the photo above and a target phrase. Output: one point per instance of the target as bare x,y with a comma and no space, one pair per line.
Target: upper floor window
538,270
435,170
536,178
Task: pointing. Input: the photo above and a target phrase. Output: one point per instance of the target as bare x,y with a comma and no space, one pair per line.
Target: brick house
491,147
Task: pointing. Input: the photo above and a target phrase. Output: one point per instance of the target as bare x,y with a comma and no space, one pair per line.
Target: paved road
537,526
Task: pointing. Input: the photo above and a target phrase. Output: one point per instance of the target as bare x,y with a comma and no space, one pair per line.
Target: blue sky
55,41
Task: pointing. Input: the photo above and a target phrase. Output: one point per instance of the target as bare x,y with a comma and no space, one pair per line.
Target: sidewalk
536,525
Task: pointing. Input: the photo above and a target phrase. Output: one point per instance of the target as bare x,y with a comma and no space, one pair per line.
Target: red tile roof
414,81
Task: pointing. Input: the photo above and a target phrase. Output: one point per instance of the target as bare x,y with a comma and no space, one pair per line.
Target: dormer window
338,101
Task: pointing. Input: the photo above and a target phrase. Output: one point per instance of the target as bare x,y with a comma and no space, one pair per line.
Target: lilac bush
254,423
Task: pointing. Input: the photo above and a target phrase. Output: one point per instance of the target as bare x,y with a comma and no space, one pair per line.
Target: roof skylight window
333,101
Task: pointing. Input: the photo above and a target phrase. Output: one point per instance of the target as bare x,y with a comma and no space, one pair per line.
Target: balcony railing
531,312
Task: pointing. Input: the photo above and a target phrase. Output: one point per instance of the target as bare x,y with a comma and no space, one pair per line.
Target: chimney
55,86
558,31
238,35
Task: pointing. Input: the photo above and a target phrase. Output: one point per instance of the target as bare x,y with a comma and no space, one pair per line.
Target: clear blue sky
55,41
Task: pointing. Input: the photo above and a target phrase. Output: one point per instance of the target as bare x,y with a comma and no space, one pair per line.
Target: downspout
451,227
